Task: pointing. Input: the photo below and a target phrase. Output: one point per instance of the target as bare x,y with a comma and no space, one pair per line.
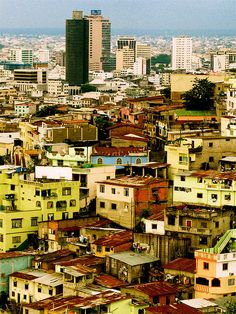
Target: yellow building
25,201
210,188
215,274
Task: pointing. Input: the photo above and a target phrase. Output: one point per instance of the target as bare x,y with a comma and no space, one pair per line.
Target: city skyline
124,14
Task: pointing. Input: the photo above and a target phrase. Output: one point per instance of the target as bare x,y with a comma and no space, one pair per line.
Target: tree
231,308
103,123
85,88
162,58
47,111
201,96
166,92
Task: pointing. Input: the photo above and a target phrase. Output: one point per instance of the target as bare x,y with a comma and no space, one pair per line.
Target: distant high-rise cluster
182,53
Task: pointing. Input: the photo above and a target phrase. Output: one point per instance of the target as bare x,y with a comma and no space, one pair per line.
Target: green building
77,49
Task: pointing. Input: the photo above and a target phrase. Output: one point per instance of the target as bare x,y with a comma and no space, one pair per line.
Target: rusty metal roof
23,275
172,309
50,257
117,151
157,216
12,255
89,260
115,239
155,288
182,264
75,302
109,281
132,181
214,174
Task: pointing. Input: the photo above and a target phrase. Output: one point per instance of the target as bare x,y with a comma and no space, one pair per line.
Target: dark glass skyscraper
77,49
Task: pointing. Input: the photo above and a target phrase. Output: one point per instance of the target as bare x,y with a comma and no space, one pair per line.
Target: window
113,206
102,188
231,282
15,284
39,289
189,223
12,187
99,248
1,237
225,266
107,249
118,161
154,226
99,161
217,224
13,293
199,180
199,195
16,223
126,192
34,221
72,203
50,216
203,240
50,291
38,204
227,197
65,215
204,224
182,178
138,161
214,197
61,204
102,204
24,297
66,191
1,223
171,220
113,191
60,163
205,265
37,192
211,159
49,205
26,286
210,144
16,239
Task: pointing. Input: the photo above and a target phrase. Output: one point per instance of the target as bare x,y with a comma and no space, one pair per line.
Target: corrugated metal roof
50,257
155,288
172,309
133,259
88,261
115,239
109,281
132,181
182,264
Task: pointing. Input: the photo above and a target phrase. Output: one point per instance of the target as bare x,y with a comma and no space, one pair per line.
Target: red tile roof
172,309
155,288
115,239
182,264
119,125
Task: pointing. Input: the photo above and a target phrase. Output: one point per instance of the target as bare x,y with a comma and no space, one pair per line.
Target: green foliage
85,88
162,58
103,123
166,92
47,111
231,308
201,96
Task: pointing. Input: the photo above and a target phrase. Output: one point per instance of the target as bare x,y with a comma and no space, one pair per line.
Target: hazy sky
131,14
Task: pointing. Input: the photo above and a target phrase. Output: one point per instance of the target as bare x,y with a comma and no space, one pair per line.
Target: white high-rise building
182,53
43,55
140,66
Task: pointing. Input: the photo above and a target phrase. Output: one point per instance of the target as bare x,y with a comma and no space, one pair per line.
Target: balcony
195,230
10,197
51,196
195,149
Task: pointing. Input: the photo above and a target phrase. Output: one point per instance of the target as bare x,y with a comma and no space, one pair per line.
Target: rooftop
117,151
89,260
155,288
182,264
133,259
109,281
115,239
172,309
131,181
198,303
50,257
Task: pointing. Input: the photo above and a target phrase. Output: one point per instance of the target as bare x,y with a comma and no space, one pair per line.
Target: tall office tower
126,53
21,55
77,49
144,51
99,40
125,58
182,53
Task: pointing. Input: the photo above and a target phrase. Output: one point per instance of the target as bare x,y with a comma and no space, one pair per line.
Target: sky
124,14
